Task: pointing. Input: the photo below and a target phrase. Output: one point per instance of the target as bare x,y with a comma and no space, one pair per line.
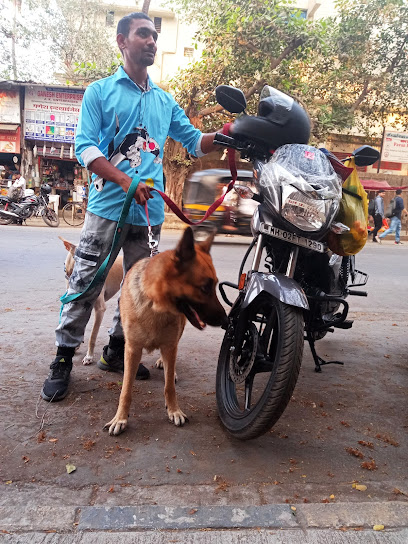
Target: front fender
285,289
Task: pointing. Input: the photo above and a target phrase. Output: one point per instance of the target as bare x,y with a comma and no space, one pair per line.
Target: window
157,24
188,52
110,18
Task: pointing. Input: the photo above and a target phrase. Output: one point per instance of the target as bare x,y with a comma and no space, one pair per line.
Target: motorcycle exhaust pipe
7,215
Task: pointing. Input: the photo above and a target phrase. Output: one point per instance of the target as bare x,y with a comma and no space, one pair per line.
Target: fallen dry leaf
111,490
70,468
360,487
25,459
378,527
366,444
345,423
355,452
369,465
53,440
193,511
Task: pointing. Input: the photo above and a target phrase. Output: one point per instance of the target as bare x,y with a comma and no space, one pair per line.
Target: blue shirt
129,127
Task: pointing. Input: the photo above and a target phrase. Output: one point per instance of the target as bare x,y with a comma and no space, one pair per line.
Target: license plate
291,237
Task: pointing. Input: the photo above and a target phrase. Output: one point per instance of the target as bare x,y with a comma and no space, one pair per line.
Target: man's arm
103,168
207,143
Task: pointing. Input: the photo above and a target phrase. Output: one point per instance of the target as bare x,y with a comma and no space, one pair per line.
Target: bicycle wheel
73,214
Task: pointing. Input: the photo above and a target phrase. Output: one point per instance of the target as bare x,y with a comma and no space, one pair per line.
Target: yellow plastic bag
353,213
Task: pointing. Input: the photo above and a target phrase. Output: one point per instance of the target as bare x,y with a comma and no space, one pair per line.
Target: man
395,225
17,190
378,214
125,118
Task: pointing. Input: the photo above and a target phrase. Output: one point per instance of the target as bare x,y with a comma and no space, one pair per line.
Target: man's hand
142,193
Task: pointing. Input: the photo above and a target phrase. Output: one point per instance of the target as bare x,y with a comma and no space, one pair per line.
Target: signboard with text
9,107
51,114
395,146
10,141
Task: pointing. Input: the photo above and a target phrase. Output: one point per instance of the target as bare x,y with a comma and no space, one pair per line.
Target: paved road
304,459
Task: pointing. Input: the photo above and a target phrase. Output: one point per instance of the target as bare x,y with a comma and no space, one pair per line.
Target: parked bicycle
73,213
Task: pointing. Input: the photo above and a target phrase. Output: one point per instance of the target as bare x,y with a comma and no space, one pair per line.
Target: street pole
381,150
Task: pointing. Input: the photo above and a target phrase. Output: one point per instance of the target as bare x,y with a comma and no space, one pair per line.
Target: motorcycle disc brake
239,368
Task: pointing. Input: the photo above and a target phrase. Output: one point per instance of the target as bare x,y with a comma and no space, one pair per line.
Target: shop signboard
9,107
10,141
51,114
395,146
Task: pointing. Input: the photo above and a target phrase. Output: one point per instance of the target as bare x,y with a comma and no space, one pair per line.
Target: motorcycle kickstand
319,362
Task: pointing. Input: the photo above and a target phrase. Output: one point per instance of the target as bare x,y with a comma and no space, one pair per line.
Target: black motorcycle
13,211
295,288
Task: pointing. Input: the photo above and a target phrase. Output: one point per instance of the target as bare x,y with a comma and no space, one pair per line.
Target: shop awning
376,185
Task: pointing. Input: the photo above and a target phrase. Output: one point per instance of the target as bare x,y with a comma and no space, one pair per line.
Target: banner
9,107
395,146
10,141
51,114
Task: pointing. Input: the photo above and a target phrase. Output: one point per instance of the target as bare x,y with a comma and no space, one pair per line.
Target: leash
123,215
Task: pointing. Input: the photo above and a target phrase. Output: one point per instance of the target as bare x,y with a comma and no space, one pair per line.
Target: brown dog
157,296
110,288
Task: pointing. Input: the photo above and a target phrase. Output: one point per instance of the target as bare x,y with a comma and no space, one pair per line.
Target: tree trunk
177,164
146,7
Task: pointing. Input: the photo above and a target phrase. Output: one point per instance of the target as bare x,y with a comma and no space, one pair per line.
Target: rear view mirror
365,155
230,98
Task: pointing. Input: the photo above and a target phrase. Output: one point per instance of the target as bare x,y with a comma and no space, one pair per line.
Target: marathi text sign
51,114
10,141
395,147
9,107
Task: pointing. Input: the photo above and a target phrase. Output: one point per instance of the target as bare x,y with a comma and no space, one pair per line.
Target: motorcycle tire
4,220
50,217
249,408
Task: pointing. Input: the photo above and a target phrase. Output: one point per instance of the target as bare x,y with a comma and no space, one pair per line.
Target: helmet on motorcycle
46,188
281,120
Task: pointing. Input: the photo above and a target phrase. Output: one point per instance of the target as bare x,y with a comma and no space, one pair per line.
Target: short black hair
398,191
125,22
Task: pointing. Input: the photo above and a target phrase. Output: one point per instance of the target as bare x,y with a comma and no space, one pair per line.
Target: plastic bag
353,212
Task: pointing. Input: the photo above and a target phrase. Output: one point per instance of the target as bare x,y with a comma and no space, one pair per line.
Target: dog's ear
68,245
206,244
185,251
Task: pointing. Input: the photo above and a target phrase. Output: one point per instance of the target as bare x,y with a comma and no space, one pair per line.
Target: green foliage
349,70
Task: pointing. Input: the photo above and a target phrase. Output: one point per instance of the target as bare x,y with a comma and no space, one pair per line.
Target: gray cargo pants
93,248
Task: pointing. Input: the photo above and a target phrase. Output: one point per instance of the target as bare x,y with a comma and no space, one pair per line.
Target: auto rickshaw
204,187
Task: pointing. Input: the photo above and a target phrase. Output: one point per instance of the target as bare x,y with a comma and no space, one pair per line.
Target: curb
393,515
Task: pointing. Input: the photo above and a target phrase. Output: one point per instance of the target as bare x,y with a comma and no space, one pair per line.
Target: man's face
382,195
139,46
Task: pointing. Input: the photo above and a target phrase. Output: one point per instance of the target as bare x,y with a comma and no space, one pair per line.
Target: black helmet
46,188
281,120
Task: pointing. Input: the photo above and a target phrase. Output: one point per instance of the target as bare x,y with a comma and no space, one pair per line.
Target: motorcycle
12,211
301,293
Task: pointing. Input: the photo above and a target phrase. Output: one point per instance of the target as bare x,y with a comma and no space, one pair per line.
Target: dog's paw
116,426
177,417
88,360
159,363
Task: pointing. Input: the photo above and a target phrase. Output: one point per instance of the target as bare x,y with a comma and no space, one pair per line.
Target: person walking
122,128
378,214
395,224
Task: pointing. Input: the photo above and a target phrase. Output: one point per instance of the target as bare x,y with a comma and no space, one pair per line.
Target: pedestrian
378,214
395,225
17,189
128,110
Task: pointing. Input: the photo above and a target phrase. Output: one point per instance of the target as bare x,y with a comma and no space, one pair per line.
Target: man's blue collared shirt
119,120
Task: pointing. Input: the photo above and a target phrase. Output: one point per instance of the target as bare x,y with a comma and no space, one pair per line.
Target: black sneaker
112,361
56,385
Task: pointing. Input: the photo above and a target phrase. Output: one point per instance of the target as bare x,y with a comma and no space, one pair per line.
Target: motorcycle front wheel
4,220
254,388
50,217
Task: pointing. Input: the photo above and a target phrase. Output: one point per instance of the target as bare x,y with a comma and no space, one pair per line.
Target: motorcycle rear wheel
50,217
4,220
250,408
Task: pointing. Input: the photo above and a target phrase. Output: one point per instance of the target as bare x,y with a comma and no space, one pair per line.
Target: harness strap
123,215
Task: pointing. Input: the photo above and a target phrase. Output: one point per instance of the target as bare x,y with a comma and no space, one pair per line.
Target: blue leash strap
123,215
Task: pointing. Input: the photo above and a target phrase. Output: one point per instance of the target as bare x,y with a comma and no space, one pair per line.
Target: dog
158,295
110,288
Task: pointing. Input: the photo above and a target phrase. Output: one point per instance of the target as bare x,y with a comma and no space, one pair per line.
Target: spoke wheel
250,406
73,214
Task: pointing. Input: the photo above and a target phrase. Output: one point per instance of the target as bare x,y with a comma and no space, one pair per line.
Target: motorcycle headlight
304,211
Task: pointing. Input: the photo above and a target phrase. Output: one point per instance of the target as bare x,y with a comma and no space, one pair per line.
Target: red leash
174,208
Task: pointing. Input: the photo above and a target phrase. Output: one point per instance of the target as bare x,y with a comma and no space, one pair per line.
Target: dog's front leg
168,356
132,359
99,312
